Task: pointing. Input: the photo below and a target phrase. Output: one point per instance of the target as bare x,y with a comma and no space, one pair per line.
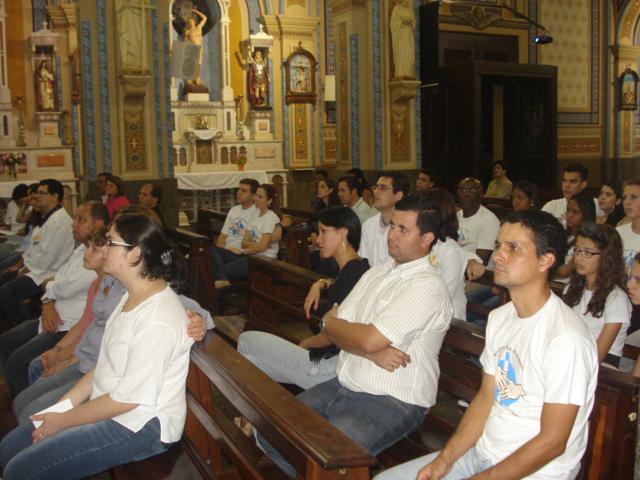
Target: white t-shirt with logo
630,244
235,224
617,309
261,225
549,357
479,231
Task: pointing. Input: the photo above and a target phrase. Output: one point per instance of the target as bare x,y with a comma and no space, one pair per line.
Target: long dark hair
272,194
611,268
447,209
334,200
618,211
158,258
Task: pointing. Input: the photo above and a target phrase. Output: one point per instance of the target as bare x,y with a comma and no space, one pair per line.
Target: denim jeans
374,422
283,361
11,295
77,452
467,466
45,392
228,265
481,294
18,347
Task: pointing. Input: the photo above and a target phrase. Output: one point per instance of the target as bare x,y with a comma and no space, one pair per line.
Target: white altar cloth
217,180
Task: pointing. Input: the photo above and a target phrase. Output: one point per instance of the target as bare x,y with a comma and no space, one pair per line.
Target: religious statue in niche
131,33
193,20
300,68
258,79
628,89
45,87
402,25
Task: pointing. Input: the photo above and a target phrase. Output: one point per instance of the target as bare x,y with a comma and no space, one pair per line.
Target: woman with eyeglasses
132,404
596,290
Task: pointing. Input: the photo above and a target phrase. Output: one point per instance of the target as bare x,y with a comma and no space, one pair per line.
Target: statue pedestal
48,129
259,123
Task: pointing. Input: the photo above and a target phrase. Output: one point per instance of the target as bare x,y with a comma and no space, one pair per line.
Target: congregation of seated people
98,376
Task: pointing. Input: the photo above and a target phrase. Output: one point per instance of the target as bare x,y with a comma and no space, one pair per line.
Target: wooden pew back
312,445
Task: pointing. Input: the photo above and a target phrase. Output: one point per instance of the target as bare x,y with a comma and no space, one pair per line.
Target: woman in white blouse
132,404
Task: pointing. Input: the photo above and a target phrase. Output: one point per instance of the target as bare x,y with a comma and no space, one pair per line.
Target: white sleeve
548,207
268,225
226,228
488,355
58,237
362,250
568,385
617,309
488,233
452,268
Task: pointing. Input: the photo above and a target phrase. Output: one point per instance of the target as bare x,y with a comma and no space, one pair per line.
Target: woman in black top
285,362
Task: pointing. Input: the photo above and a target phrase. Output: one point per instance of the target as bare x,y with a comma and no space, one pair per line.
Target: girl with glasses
596,290
132,404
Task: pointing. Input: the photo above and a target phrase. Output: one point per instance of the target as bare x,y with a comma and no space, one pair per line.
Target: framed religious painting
628,83
300,68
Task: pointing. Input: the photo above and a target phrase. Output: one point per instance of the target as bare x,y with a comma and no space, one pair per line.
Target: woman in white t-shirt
596,290
630,232
132,404
257,238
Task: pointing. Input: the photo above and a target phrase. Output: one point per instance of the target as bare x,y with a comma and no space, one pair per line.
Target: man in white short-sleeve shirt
540,370
390,188
478,226
390,329
574,180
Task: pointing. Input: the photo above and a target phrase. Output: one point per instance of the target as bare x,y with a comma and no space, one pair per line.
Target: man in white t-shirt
574,180
229,242
630,232
350,196
478,225
540,372
390,188
390,329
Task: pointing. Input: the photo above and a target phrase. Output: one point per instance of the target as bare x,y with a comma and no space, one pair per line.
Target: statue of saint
45,85
402,25
130,29
192,33
258,80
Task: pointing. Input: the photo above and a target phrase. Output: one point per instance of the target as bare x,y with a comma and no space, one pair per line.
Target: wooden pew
195,248
312,445
275,295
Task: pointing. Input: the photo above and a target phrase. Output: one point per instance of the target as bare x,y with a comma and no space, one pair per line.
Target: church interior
194,96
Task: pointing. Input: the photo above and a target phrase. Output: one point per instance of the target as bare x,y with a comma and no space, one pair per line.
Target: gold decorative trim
478,17
579,145
300,132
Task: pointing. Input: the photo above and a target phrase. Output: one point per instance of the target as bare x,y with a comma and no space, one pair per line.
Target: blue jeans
77,452
228,265
374,422
45,392
18,347
466,466
35,370
11,295
481,294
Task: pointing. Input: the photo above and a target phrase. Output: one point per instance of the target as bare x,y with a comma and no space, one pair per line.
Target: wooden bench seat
174,464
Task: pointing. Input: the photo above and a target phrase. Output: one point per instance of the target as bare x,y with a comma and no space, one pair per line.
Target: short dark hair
322,173
530,189
53,186
99,236
103,174
446,205
549,236
343,217
158,257
502,163
20,191
156,191
117,181
586,206
399,180
253,184
429,220
352,183
579,169
98,211
33,188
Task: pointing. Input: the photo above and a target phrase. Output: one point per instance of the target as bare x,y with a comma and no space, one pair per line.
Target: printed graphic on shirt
628,256
508,386
463,237
254,235
237,228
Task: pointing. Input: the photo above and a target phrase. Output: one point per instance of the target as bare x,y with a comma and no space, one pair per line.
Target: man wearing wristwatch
62,303
390,329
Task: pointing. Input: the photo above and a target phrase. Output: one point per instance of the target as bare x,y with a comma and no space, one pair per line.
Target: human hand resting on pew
197,327
475,270
390,358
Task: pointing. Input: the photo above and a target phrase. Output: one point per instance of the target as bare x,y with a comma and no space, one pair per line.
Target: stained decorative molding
279,26
291,3
342,6
479,17
579,131
135,86
588,145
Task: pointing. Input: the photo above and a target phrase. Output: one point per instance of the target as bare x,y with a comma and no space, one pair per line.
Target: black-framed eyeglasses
583,252
114,243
